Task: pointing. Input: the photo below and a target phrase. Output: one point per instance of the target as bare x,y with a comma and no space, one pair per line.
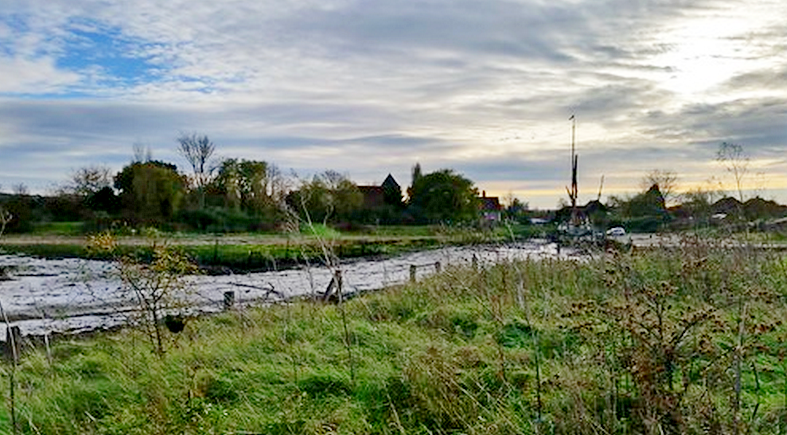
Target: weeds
5,218
157,286
687,340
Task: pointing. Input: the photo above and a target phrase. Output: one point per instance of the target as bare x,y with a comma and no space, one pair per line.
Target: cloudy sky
368,87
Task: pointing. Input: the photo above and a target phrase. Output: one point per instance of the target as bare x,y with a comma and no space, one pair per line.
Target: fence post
229,300
475,262
437,266
413,267
338,278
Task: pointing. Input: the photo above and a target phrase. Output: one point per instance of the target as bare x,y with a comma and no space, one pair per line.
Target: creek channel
74,295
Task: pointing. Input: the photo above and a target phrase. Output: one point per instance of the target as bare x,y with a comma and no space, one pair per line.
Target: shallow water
73,295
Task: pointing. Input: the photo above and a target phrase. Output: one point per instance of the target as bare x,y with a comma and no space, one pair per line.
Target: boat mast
574,192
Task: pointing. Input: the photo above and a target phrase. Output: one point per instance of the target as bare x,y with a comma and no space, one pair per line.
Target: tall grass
682,340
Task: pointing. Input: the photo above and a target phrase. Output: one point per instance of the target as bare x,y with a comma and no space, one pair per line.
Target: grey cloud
512,167
757,124
774,79
503,28
369,87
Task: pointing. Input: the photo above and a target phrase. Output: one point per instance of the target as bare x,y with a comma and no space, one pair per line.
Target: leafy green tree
256,187
416,175
515,208
22,212
328,197
698,202
104,200
645,211
443,196
649,203
151,191
392,195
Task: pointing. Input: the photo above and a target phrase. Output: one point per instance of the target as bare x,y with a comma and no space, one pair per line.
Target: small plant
157,287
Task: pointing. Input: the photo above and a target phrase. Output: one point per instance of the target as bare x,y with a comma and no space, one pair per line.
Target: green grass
60,228
320,230
643,342
237,257
256,251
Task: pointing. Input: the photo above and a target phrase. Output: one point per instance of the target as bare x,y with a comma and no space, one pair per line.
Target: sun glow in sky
368,88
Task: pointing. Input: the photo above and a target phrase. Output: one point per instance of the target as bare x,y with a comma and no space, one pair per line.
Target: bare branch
197,150
736,161
89,180
666,180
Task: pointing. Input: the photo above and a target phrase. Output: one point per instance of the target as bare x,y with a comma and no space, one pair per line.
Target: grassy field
686,340
262,251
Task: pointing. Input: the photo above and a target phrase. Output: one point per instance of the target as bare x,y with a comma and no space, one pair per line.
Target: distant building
491,210
388,193
373,196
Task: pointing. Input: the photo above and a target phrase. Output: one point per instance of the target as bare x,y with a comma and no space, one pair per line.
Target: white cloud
26,76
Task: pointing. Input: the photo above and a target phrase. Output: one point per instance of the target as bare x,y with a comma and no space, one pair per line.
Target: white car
616,232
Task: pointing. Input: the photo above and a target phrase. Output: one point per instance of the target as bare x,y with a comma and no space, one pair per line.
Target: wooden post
437,266
229,300
334,288
413,267
338,277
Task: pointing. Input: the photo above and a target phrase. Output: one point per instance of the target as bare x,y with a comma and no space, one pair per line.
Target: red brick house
491,210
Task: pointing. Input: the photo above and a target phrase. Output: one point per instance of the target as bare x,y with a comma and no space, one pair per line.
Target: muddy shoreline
76,295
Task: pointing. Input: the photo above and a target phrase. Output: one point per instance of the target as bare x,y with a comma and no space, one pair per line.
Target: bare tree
142,152
666,180
278,183
89,180
20,189
197,150
736,161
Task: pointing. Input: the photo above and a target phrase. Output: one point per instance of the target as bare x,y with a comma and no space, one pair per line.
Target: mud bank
72,295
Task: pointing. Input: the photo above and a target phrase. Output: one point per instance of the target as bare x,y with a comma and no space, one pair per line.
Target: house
388,193
373,196
491,210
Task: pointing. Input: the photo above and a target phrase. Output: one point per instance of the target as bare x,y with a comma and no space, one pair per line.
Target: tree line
235,194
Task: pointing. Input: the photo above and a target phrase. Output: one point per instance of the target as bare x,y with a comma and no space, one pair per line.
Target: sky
370,87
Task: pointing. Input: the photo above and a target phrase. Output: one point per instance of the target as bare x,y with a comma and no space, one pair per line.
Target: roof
490,203
390,182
